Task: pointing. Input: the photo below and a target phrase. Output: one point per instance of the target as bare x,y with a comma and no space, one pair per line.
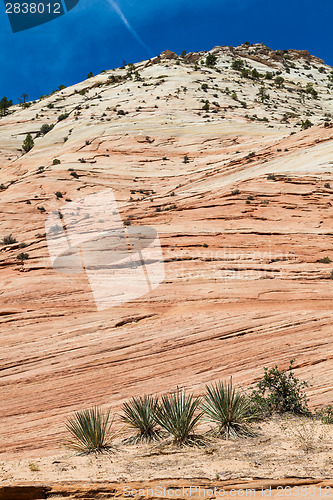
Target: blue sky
100,34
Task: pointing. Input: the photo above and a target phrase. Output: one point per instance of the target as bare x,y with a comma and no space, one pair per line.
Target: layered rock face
233,169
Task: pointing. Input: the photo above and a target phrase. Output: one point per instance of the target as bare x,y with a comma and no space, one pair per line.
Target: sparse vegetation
63,116
90,431
28,143
211,60
8,240
140,415
179,415
23,256
324,260
280,391
46,128
306,124
229,410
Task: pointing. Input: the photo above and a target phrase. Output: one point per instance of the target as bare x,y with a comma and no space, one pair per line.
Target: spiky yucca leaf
177,415
229,409
90,431
140,414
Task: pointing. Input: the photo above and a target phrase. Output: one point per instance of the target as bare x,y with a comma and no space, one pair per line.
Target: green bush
324,260
63,116
45,128
206,106
56,161
279,80
22,256
279,391
211,60
237,65
306,124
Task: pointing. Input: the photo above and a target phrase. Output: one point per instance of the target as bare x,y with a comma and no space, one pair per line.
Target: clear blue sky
96,36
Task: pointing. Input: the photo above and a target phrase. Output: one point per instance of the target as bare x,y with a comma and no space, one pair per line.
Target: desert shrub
228,409
139,414
9,240
262,95
74,174
255,74
324,260
237,65
271,177
206,106
63,116
186,159
58,194
279,80
325,414
90,74
22,245
311,91
28,143
235,191
90,431
306,124
327,185
56,161
308,435
45,128
23,256
179,415
33,467
280,391
211,60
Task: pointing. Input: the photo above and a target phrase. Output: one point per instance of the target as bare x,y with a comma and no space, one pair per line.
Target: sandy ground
285,447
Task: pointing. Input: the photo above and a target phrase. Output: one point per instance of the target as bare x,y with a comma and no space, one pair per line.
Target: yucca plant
178,415
90,431
140,414
229,409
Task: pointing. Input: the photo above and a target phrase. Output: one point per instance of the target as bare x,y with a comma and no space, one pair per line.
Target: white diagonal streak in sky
128,25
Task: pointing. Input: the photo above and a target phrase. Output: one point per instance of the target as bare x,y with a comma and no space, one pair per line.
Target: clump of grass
178,415
324,260
325,414
33,467
140,415
308,435
90,431
9,240
229,410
